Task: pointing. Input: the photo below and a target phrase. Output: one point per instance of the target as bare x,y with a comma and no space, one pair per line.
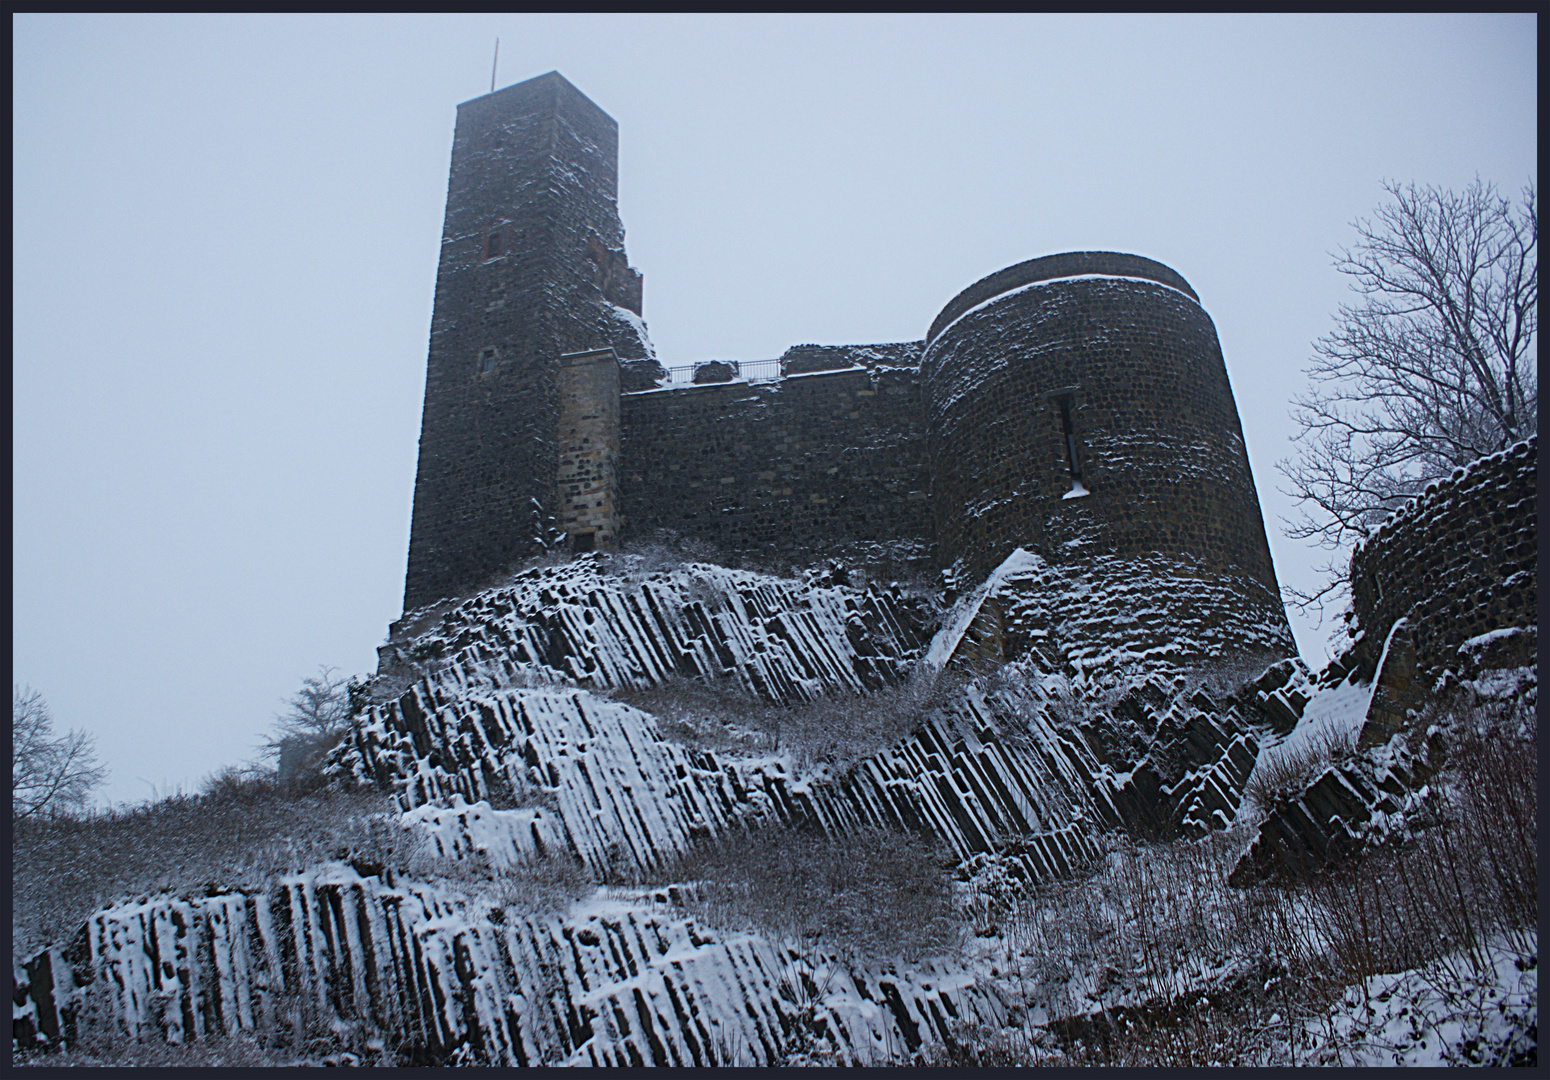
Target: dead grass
1155,960
237,835
871,894
243,1051
836,731
1226,677
1283,772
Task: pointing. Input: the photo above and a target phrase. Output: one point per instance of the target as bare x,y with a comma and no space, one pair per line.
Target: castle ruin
1076,405
1062,443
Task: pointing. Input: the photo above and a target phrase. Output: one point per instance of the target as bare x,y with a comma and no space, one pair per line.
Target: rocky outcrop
434,976
491,725
1343,808
781,639
1349,803
994,771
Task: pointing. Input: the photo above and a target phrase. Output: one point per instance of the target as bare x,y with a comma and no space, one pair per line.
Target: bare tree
314,718
49,774
1433,367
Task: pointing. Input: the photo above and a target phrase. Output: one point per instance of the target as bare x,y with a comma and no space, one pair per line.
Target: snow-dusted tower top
532,269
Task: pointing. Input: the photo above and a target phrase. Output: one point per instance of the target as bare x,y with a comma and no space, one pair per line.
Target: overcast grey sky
226,234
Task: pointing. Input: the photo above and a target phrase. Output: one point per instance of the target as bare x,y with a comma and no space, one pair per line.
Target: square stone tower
515,453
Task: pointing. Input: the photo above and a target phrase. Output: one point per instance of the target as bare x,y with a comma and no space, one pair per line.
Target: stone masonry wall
532,267
1459,560
1129,374
824,463
589,448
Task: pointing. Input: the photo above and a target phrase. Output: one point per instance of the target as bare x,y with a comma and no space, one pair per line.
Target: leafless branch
49,773
1432,367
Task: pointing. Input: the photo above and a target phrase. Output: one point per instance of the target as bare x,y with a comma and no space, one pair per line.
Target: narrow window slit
1068,428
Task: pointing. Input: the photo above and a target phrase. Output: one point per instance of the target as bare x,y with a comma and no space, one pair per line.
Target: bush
1225,677
1153,959
98,1049
1284,771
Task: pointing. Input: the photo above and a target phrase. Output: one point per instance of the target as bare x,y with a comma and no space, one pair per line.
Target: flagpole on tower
493,64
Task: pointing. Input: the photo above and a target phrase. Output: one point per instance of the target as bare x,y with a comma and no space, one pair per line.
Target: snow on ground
1451,1012
1332,715
956,624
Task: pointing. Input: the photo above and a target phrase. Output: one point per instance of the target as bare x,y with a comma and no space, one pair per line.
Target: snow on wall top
1438,494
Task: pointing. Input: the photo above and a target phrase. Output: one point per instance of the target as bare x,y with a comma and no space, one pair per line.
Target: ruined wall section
1459,560
829,462
1088,415
532,267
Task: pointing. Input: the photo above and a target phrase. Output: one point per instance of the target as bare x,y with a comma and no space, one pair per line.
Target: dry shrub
1150,959
100,1051
1467,875
1153,959
1283,772
542,886
1226,676
718,715
873,893
842,730
660,553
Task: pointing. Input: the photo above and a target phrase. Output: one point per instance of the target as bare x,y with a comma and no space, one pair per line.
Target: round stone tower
1077,405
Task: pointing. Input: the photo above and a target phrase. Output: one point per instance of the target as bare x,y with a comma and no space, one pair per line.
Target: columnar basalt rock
446,977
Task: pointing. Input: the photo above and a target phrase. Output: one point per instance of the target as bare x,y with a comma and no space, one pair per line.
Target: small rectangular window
582,542
487,360
492,245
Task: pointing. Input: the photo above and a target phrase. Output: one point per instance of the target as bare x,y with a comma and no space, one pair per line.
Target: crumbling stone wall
824,462
1459,560
1078,406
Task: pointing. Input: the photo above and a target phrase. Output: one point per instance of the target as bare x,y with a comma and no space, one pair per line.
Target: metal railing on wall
746,370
